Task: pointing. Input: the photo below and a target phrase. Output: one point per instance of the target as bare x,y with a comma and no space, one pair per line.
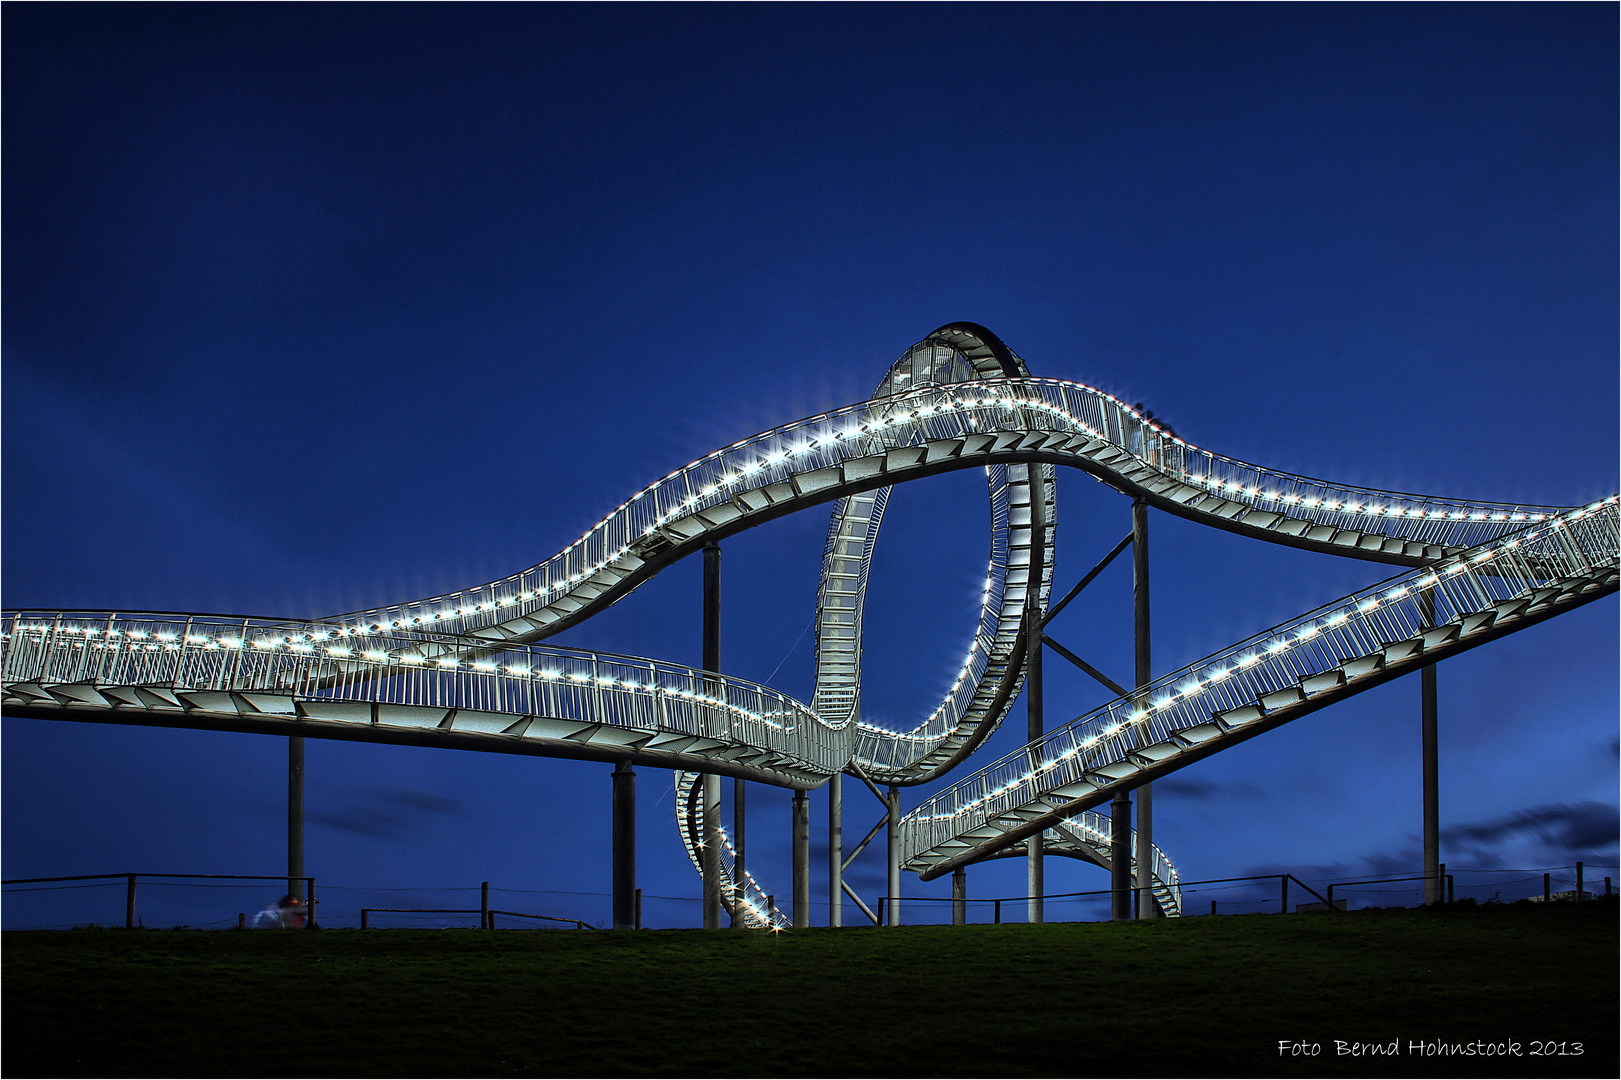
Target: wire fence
221,902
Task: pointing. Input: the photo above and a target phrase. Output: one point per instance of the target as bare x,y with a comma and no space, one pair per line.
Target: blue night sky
315,307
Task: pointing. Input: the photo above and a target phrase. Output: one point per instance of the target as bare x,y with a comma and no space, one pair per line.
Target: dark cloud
1566,830
1565,833
1204,789
390,814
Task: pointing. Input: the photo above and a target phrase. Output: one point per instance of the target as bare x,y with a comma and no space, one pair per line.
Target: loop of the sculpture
993,670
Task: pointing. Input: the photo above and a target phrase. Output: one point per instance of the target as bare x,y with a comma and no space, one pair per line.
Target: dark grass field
1189,997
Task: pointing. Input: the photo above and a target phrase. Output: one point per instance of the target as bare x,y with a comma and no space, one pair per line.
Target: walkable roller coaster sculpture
462,670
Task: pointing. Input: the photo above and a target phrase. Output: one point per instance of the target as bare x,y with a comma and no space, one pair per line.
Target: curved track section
331,682
991,675
922,432
759,909
1360,641
1086,837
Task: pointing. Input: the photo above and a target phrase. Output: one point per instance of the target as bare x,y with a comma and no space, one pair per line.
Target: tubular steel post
801,858
894,854
835,850
638,909
484,906
1441,877
1430,755
1035,877
1146,908
1283,887
1120,857
129,904
295,816
309,907
713,907
1547,887
1579,877
624,846
959,897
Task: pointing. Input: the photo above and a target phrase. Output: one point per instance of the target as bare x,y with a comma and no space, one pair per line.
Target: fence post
309,906
364,912
484,906
1450,896
638,909
998,913
1547,887
1283,883
1606,886
1212,907
129,904
1579,877
241,920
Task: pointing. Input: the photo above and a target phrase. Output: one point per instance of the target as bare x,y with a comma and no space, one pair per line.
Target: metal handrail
320,664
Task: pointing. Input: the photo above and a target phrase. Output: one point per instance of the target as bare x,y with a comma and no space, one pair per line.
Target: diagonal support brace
1084,666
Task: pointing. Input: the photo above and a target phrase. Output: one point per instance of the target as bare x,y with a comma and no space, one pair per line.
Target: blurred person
284,914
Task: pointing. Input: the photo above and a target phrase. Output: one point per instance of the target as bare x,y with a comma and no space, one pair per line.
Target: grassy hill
1189,997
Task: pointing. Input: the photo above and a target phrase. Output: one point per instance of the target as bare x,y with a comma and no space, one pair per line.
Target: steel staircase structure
463,669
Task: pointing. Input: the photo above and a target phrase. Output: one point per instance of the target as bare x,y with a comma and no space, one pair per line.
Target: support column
892,916
801,858
624,846
713,907
739,796
1430,753
835,850
1120,857
1035,868
295,816
959,897
1137,904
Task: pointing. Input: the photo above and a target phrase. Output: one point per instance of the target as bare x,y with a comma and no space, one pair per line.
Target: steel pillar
739,797
1035,875
1120,857
295,816
835,850
1430,754
624,846
801,858
893,916
959,897
714,909
1145,905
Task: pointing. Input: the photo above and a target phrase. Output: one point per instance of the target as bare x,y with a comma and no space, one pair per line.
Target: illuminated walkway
462,670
